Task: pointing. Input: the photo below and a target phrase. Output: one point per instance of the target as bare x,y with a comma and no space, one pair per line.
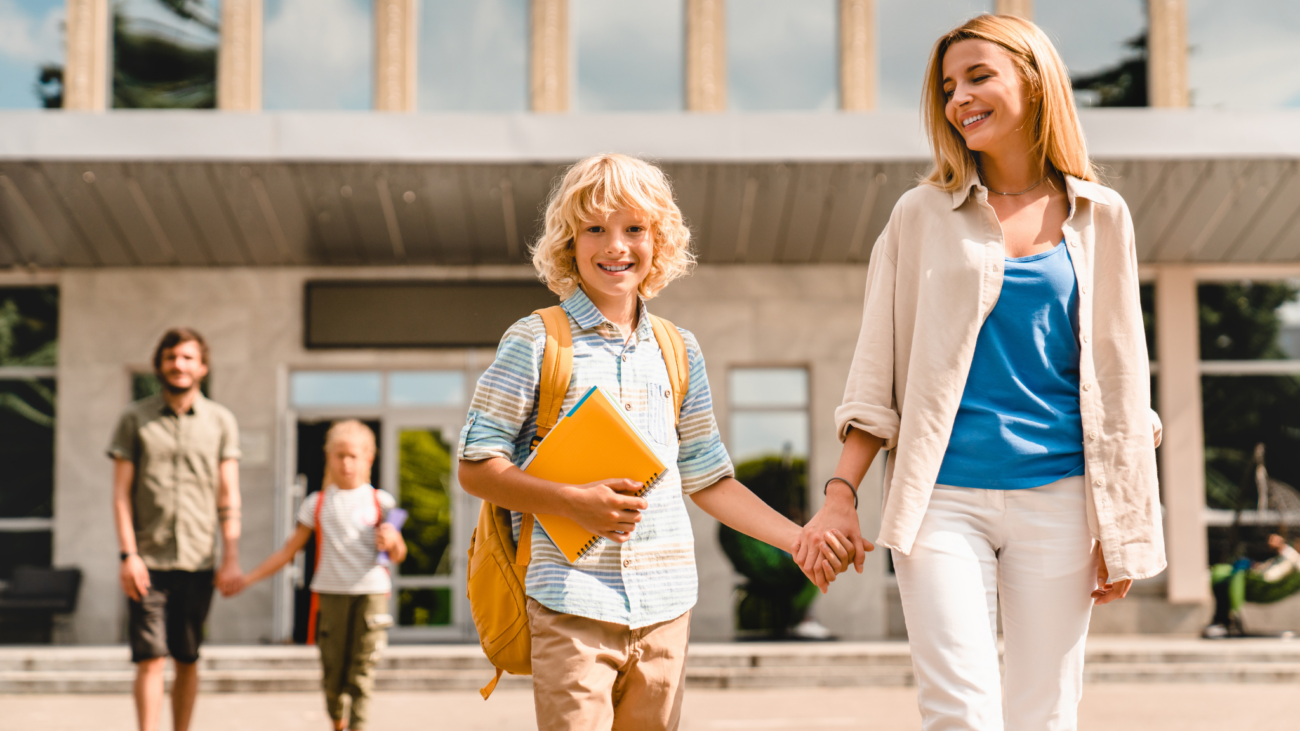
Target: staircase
251,669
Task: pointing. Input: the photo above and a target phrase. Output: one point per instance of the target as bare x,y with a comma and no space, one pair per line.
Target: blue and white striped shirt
650,578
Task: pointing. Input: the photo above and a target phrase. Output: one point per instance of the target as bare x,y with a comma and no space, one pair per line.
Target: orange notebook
594,441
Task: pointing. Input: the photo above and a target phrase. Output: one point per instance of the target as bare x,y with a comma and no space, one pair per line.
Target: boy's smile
614,255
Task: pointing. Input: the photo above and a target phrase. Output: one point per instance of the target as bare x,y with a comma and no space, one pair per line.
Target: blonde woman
1002,360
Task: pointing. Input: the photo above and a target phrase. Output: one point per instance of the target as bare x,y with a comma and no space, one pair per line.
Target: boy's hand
135,577
607,508
233,587
836,557
387,538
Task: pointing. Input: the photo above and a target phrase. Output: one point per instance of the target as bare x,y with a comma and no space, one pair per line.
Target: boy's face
349,460
182,367
614,255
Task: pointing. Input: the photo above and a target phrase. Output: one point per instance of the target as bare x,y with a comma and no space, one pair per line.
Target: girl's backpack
497,567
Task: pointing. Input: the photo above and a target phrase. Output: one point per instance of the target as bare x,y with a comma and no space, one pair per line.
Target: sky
473,56
317,54
629,55
30,35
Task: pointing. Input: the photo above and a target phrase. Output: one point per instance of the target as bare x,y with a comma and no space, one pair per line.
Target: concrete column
549,58
85,71
706,55
1018,8
1182,454
859,70
1167,53
239,58
395,55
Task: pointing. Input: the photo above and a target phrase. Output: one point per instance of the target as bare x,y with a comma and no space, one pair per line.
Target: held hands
607,508
135,577
832,539
836,556
230,579
1107,592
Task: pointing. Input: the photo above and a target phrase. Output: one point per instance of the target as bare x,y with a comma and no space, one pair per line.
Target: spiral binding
596,539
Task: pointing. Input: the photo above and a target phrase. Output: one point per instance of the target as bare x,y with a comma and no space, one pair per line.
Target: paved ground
1189,707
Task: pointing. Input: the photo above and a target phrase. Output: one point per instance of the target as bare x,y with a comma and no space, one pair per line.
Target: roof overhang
131,188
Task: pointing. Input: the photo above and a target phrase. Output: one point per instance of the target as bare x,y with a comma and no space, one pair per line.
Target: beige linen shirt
177,461
935,274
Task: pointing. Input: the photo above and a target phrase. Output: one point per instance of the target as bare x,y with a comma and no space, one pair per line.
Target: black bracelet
852,489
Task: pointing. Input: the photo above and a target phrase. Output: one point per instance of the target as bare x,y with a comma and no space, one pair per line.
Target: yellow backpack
497,567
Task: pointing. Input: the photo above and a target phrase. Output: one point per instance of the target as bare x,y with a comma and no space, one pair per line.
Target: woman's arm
607,508
838,512
736,506
277,560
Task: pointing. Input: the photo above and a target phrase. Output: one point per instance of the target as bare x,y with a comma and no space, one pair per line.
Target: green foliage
153,69
781,483
424,479
1240,321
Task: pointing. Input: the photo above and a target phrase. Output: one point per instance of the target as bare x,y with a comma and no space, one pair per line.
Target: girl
1002,359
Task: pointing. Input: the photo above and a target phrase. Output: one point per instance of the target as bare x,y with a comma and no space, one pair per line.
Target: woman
1002,359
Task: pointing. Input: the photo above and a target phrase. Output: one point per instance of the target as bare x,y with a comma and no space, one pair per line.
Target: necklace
1019,192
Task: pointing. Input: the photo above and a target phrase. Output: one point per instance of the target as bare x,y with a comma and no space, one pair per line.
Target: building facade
349,228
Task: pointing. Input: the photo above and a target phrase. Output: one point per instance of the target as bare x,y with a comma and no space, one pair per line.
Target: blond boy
609,631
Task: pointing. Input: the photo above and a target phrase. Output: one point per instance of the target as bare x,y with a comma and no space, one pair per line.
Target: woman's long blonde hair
1058,138
598,186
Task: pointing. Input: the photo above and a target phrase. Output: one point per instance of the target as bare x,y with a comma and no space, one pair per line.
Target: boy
352,588
609,631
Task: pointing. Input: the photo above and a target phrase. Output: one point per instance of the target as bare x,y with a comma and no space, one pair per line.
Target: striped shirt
348,555
650,578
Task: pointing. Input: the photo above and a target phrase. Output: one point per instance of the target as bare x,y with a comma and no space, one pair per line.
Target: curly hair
596,187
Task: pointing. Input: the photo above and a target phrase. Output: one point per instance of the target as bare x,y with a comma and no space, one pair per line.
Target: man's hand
230,579
1107,592
387,538
607,508
135,577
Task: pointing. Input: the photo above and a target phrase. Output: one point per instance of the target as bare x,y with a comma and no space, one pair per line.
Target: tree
156,67
1125,83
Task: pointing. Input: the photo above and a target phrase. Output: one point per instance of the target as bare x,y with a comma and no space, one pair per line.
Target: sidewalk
1113,707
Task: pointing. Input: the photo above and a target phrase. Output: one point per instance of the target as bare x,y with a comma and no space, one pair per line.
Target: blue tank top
1018,425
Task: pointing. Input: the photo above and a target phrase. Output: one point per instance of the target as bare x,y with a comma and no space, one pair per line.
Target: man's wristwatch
124,555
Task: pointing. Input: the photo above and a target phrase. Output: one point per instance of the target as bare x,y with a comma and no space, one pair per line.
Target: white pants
1028,550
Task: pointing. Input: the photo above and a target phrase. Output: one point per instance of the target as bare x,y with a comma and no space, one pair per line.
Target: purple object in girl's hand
396,518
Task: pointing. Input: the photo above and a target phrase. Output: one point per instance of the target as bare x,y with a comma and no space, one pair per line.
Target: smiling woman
31,53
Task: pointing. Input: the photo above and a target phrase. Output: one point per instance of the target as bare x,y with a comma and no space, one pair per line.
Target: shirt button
627,406
1073,243
1099,483
627,562
668,394
1084,289
1087,386
1092,435
624,358
1085,338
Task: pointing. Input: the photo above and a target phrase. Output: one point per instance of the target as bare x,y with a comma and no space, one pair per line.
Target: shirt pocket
660,424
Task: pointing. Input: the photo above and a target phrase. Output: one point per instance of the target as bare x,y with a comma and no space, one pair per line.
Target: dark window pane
782,55
1103,43
424,607
318,55
1250,321
424,487
629,55
165,54
31,54
24,549
27,448
1241,415
1244,54
473,55
29,326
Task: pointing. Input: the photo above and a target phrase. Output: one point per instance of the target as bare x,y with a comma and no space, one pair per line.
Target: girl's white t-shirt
348,554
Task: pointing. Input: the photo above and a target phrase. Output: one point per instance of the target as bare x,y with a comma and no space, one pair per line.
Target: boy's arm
134,575
735,505
607,508
277,560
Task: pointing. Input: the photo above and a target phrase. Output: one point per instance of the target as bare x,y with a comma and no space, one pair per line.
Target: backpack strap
557,370
314,611
679,371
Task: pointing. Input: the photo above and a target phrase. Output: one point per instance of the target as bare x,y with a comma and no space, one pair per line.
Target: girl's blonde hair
348,429
597,187
1058,138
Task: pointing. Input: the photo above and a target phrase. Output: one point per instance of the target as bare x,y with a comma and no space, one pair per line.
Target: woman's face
349,459
985,96
614,255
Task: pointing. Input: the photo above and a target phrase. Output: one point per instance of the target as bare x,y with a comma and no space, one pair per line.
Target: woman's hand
836,516
607,508
1107,592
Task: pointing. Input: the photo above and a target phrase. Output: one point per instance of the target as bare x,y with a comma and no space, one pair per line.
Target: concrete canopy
221,189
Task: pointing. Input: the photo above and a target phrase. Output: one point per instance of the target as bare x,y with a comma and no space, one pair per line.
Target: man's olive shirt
177,462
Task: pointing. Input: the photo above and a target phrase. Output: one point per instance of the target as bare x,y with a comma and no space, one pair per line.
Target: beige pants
351,632
589,674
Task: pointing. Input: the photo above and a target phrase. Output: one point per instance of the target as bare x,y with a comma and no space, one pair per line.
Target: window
630,56
906,32
473,56
31,54
29,340
782,55
1103,43
769,436
1244,54
318,54
165,54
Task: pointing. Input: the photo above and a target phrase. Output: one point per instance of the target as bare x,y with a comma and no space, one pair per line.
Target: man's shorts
169,619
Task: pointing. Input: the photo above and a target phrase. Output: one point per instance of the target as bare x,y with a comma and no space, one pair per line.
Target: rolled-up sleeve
503,400
869,402
702,459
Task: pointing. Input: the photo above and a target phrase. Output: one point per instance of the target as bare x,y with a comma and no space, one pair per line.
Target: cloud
630,56
473,56
782,55
31,31
1244,54
318,54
